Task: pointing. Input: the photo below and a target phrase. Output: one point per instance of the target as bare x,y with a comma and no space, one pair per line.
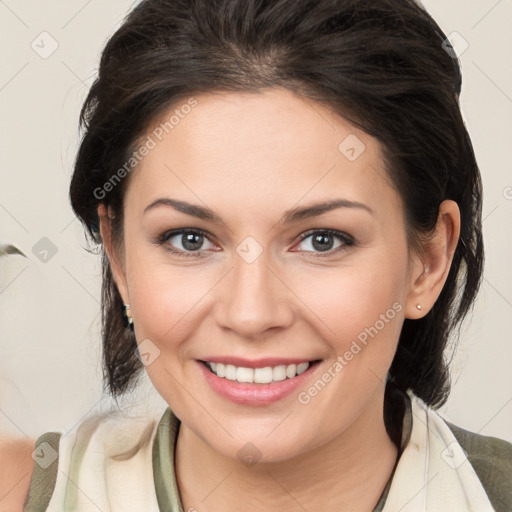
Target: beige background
50,373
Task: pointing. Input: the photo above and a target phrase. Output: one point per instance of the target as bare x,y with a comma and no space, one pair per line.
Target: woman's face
250,288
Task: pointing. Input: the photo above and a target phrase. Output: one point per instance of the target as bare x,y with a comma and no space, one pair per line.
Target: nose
254,298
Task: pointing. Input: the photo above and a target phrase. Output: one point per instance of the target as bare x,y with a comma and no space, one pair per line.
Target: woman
289,210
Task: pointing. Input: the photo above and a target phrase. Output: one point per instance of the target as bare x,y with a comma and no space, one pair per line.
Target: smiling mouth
265,375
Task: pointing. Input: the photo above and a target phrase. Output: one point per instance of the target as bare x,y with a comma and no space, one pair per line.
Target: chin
269,444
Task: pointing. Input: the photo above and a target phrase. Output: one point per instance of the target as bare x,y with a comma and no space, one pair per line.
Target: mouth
258,375
256,383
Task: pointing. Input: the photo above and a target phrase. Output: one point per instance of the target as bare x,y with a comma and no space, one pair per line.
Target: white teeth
244,374
220,370
302,367
279,372
230,372
263,375
291,370
258,375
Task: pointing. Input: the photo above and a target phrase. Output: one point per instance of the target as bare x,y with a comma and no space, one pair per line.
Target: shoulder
44,473
16,466
491,459
101,448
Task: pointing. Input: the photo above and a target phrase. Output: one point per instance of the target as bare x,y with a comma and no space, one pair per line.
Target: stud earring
418,306
128,314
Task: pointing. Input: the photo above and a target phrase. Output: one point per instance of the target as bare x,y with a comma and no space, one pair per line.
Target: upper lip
256,363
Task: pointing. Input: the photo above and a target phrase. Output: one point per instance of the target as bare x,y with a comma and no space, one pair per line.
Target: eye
321,241
191,241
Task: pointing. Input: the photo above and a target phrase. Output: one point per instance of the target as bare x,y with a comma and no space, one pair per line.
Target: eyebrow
290,216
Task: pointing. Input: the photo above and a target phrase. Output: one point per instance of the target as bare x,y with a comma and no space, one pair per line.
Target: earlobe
105,218
416,305
430,273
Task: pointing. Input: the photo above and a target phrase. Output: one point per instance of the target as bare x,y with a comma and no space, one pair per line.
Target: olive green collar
164,446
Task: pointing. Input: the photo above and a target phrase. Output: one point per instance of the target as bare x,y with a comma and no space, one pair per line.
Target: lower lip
245,393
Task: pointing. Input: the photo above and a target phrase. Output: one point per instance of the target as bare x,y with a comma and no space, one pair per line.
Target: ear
105,217
430,269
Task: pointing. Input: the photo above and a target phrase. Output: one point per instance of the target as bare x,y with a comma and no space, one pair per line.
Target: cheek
361,302
166,303
163,296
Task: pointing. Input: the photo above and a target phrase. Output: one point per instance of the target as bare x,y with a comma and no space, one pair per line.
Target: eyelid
334,232
179,231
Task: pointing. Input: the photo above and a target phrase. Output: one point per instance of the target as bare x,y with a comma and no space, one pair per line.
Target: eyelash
346,239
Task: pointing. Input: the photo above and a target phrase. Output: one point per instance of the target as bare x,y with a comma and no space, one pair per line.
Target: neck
347,473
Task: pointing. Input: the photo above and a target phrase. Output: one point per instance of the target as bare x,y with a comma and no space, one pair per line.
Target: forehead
271,148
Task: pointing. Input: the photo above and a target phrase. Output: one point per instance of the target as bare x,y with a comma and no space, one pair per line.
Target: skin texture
250,157
16,466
